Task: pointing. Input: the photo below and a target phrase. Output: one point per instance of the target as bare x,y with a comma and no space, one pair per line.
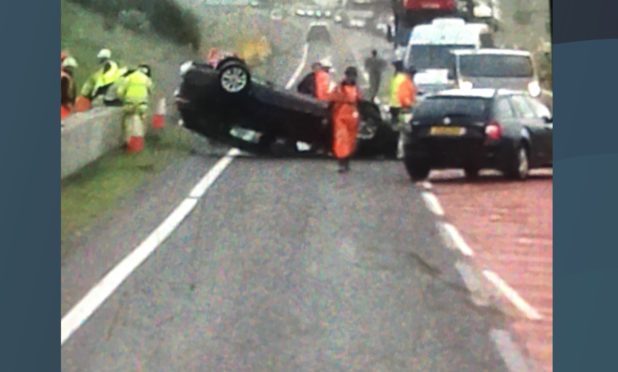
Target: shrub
172,21
134,20
166,17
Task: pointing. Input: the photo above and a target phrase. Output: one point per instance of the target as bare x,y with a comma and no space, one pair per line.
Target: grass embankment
104,184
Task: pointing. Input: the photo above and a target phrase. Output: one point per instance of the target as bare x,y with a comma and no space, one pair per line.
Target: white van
430,45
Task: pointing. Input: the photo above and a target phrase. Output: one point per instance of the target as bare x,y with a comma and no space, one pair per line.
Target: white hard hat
326,62
70,62
104,53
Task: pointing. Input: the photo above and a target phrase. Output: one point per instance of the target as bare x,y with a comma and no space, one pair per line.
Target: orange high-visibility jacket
345,119
322,85
403,91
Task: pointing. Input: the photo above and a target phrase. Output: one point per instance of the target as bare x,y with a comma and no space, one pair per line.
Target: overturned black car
226,104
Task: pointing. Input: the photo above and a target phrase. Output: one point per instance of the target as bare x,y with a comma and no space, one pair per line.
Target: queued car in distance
496,68
276,14
221,100
339,16
474,129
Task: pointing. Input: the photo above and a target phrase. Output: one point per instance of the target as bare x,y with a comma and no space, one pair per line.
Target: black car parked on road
479,128
218,101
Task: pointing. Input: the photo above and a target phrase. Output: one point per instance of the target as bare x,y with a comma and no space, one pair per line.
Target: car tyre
416,171
234,77
472,172
520,164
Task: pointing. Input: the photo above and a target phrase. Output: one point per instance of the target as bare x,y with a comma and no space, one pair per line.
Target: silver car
496,68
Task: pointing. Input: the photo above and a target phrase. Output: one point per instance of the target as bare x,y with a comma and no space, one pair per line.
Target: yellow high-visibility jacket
102,78
135,88
402,92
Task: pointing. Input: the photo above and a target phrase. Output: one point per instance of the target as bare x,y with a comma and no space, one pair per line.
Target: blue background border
585,35
30,187
585,185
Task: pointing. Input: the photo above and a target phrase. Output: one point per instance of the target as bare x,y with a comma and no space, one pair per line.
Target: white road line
100,292
512,295
432,203
78,315
474,283
509,351
457,240
210,177
300,67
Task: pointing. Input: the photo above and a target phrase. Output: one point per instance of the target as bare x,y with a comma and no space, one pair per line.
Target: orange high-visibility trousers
345,120
322,85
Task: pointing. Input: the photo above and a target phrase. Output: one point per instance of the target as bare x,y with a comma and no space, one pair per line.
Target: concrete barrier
88,135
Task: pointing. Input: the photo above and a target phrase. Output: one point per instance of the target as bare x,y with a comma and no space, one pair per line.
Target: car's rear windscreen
437,107
433,56
495,66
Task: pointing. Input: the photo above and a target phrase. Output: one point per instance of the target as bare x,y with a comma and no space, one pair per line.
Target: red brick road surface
508,225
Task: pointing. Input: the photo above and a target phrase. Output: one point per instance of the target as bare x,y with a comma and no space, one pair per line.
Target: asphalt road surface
283,265
286,265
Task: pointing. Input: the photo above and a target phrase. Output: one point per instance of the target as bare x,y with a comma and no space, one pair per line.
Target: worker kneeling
134,90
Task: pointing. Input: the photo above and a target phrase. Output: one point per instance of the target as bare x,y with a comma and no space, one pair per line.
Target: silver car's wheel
234,79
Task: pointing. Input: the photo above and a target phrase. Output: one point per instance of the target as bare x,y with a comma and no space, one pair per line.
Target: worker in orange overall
322,80
68,90
345,118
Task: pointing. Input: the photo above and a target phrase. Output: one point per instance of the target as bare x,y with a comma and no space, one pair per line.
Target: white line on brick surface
457,240
512,295
509,351
432,203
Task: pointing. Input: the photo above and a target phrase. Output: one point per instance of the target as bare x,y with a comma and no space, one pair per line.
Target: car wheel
520,164
417,172
471,172
234,77
370,120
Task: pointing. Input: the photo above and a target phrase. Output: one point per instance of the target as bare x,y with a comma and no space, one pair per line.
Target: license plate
447,131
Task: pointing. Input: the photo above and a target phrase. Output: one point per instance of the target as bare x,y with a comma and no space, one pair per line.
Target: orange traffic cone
82,104
158,119
64,111
135,140
136,144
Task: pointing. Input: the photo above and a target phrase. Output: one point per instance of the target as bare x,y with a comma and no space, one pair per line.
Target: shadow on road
489,178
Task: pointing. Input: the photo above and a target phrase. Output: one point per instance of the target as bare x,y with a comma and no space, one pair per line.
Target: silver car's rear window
495,66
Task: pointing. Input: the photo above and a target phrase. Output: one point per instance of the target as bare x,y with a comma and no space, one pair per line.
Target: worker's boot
344,165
